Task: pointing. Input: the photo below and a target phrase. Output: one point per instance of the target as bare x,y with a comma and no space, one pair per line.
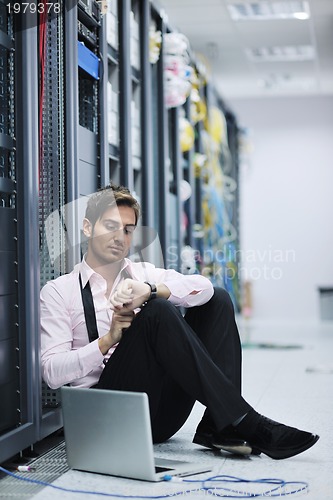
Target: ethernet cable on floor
211,485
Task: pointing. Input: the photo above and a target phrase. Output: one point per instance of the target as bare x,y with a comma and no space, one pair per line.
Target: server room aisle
288,374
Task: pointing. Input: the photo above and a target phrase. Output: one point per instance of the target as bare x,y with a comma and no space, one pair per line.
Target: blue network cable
211,485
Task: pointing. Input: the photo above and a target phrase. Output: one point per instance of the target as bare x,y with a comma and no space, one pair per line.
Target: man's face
110,238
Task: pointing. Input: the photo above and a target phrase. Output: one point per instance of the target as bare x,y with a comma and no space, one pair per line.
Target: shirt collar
87,272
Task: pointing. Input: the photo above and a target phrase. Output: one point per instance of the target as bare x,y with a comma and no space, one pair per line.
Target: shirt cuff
181,294
90,356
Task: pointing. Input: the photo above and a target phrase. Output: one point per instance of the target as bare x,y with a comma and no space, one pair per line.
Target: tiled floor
293,385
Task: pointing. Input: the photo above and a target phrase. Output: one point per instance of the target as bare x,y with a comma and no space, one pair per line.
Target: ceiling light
302,16
268,10
281,53
285,82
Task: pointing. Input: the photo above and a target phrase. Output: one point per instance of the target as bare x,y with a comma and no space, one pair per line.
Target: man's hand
121,320
129,295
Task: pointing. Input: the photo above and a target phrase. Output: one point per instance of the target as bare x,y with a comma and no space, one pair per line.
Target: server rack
19,321
112,37
133,99
222,244
124,93
233,140
188,175
54,252
8,218
173,255
149,203
160,142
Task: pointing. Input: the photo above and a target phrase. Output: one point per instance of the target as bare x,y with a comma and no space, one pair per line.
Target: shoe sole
280,455
242,449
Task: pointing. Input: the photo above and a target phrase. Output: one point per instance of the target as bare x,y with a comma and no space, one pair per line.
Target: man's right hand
121,320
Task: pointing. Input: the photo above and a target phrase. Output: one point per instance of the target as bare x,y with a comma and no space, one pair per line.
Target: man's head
107,197
111,217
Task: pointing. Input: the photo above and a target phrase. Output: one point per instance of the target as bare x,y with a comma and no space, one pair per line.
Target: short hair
107,197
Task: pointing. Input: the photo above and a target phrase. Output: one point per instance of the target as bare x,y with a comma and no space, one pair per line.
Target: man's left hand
130,294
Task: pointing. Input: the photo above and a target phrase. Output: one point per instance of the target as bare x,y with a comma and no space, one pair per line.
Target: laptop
109,432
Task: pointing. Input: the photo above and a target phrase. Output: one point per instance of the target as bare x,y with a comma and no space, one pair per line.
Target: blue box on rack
88,61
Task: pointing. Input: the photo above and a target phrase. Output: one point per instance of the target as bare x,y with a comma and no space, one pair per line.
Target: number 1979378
40,8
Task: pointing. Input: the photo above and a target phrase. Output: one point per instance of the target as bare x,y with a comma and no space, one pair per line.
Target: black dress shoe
229,436
226,440
276,440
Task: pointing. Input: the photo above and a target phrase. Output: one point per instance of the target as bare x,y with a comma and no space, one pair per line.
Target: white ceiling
221,43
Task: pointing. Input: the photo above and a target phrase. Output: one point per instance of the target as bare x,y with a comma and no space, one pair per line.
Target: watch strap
153,290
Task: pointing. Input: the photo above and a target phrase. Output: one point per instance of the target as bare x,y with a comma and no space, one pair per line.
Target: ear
87,228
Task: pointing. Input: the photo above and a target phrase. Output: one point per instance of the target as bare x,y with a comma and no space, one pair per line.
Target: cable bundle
177,71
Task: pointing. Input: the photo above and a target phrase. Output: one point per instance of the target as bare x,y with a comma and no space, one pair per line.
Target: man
113,324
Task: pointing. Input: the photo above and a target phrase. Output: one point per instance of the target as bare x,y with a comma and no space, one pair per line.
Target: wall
287,204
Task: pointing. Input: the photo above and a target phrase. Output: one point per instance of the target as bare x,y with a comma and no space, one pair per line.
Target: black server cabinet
19,383
9,380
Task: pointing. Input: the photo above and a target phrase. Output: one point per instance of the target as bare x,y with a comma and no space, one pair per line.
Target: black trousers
177,360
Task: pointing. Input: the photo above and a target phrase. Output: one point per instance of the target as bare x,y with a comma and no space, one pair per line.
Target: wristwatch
153,291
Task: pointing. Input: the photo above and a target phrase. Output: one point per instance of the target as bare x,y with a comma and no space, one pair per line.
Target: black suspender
89,310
